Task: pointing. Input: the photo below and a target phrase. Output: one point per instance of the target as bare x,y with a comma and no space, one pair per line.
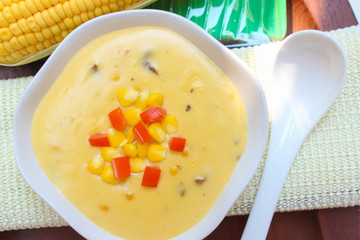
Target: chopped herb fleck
191,90
149,66
188,107
95,68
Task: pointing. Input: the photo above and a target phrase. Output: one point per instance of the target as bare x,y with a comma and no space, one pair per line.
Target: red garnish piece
153,114
99,140
177,144
121,166
117,119
151,177
141,133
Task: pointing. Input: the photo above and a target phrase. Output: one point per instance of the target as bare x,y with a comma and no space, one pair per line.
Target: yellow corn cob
29,26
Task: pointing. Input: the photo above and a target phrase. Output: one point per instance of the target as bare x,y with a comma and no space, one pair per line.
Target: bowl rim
226,60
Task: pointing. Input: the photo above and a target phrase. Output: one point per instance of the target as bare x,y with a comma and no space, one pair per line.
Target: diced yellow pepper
129,149
170,124
108,153
96,165
137,165
115,137
142,149
127,97
108,176
132,116
156,99
156,152
157,132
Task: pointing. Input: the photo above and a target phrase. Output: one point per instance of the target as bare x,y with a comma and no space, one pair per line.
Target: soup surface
207,108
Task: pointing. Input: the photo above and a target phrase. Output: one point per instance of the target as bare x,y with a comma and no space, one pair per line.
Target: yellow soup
158,68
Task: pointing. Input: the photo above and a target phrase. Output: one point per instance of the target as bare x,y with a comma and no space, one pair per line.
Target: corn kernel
129,149
115,137
156,152
142,149
137,165
132,116
156,99
129,195
104,207
142,101
127,97
174,170
130,135
108,153
157,132
108,176
96,165
170,124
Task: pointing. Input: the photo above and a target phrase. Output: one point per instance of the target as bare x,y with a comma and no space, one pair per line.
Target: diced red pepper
153,114
99,140
121,166
141,133
117,119
151,177
177,144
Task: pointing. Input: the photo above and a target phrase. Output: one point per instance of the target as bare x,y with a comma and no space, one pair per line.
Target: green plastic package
233,22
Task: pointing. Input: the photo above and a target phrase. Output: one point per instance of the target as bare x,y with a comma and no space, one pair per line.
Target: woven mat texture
325,173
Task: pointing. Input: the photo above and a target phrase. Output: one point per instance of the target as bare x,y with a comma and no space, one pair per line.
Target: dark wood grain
328,224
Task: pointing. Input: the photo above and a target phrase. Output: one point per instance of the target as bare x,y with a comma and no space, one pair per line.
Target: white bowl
237,71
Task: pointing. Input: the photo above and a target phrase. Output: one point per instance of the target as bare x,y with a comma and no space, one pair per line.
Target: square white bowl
238,72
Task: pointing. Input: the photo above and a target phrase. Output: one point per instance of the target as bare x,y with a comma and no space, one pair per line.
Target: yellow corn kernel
174,170
96,165
81,5
156,152
127,97
15,29
23,10
9,17
116,138
39,19
23,26
53,15
142,101
46,3
5,34
132,116
3,22
142,149
130,135
170,124
89,5
108,176
48,20
108,153
129,195
137,165
60,11
129,149
156,99
30,5
157,132
3,50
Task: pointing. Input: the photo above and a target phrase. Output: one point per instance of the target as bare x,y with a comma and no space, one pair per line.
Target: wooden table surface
337,224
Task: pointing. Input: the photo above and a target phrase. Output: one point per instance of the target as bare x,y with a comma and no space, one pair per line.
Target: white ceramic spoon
308,74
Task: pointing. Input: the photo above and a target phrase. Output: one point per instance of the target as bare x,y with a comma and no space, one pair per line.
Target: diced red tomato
117,119
99,140
141,133
151,176
121,166
177,144
153,114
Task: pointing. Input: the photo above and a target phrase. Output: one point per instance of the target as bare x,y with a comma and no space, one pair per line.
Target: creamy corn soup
140,132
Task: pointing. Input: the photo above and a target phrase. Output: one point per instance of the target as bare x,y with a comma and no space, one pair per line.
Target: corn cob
29,26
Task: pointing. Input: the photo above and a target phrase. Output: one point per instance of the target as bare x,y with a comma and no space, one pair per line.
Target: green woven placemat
325,173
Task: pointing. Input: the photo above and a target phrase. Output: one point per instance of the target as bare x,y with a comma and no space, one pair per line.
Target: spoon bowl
308,74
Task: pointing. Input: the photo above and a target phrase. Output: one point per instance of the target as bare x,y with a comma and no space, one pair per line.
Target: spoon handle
277,166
